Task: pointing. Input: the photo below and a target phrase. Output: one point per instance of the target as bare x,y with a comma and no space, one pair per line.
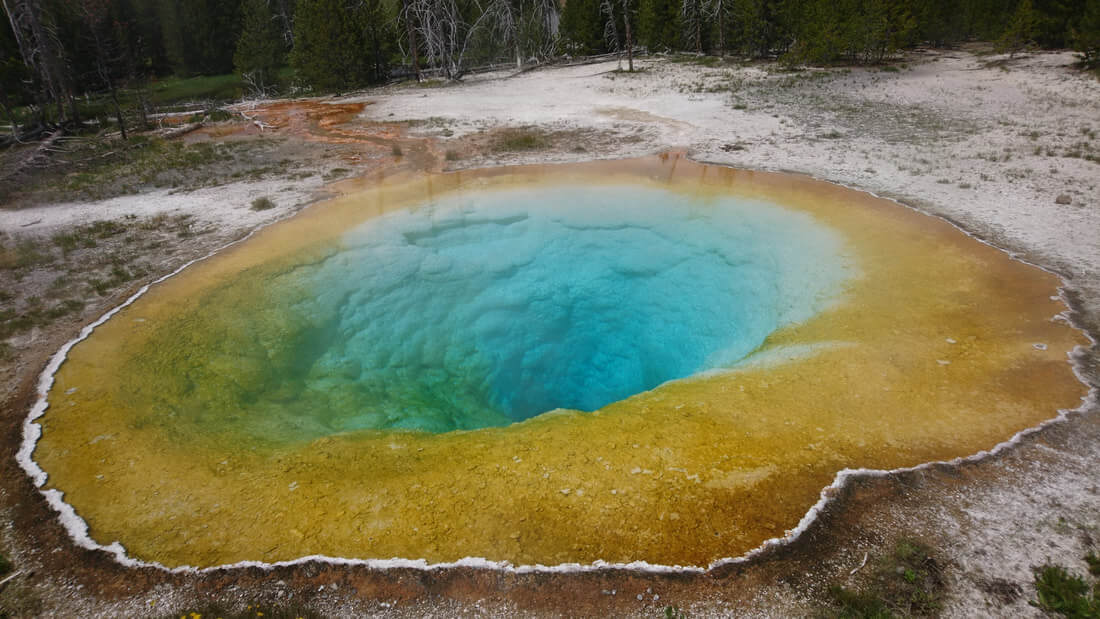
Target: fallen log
255,120
184,130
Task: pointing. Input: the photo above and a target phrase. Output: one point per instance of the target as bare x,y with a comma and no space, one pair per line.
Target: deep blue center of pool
489,308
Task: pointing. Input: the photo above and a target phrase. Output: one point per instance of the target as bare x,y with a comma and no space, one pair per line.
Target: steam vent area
647,360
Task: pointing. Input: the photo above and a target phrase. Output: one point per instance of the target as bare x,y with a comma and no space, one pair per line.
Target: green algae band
482,364
484,310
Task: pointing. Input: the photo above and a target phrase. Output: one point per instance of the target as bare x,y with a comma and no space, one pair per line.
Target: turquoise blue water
491,308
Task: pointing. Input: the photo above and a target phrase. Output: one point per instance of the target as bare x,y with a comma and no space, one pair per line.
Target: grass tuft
262,204
23,254
1065,593
523,138
336,173
1094,563
908,582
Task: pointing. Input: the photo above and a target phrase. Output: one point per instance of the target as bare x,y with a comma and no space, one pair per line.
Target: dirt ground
1005,148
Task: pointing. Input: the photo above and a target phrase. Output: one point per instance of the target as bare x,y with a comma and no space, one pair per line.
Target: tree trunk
412,39
53,68
4,103
629,38
288,25
721,31
118,111
143,112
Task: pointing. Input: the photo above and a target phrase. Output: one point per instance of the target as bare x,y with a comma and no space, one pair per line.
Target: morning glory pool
647,360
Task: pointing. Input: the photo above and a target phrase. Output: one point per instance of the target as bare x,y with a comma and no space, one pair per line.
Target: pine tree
260,48
337,45
1021,30
659,24
200,36
1086,34
752,27
582,27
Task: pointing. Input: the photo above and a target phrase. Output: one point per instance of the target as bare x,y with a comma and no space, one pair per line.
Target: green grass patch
35,315
96,169
520,139
169,90
1066,593
907,582
262,204
22,254
86,236
1094,563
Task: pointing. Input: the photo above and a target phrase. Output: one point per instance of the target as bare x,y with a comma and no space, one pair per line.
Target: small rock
1063,199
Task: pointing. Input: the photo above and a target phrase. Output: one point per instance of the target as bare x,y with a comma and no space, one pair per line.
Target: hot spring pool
469,312
651,360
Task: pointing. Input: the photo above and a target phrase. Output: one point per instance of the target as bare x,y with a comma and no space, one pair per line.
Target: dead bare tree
527,27
537,29
439,24
446,34
718,11
254,81
96,15
692,14
281,12
410,33
628,10
610,29
43,53
611,32
502,19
